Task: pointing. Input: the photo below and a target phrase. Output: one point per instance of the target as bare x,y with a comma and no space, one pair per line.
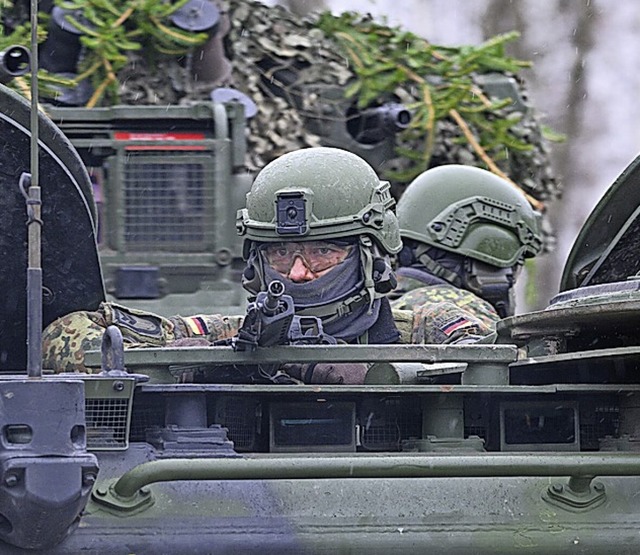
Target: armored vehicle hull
524,446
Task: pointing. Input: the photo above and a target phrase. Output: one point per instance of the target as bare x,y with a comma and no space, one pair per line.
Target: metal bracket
106,496
579,494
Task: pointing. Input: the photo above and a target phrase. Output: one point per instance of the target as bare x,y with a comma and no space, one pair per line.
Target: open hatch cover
72,279
606,249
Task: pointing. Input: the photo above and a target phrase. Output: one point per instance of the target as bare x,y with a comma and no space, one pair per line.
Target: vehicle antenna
34,223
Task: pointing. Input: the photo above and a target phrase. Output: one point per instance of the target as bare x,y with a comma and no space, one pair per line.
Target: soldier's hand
351,373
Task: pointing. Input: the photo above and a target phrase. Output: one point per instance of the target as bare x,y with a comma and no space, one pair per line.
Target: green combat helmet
322,194
319,194
480,219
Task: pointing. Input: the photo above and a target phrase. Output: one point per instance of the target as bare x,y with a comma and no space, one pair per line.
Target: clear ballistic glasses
318,256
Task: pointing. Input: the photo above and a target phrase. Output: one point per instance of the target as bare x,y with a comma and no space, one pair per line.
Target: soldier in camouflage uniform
319,220
466,233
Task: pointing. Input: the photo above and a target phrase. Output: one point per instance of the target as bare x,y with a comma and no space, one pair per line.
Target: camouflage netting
259,34
264,42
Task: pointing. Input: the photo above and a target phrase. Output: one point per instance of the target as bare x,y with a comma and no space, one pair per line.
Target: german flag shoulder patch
196,325
454,325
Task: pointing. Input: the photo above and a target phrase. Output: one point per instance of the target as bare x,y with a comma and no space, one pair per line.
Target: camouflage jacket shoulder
443,314
415,293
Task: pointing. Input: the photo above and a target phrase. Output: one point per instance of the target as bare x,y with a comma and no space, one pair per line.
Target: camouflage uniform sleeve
66,340
212,327
139,328
446,323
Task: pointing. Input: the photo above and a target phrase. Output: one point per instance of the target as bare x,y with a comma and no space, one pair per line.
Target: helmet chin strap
436,268
366,259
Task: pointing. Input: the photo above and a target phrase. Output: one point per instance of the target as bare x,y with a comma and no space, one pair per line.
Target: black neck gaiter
343,282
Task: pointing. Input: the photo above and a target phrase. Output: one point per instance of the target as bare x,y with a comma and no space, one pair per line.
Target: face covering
337,297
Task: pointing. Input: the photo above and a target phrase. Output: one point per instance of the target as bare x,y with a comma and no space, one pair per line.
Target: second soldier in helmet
466,233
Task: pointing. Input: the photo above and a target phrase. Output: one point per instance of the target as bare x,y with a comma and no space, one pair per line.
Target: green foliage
111,30
439,78
21,35
114,28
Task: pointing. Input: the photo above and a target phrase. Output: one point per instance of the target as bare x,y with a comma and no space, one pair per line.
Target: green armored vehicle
528,445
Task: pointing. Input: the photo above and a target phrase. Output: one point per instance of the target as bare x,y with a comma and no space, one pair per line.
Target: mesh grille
604,421
166,202
241,418
382,433
386,423
145,415
107,423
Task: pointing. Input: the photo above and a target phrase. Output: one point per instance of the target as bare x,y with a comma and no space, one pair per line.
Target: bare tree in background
502,16
304,7
566,163
505,15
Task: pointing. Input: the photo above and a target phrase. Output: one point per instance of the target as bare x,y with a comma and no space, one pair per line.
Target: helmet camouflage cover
319,194
471,212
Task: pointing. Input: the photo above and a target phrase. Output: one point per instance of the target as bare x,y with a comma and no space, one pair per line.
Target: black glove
350,373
